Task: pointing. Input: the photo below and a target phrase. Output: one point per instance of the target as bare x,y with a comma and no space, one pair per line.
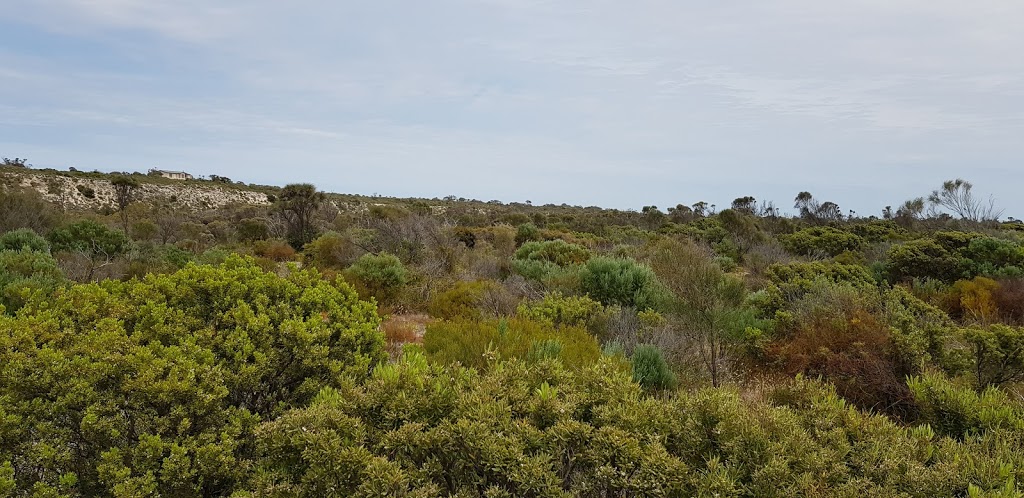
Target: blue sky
621,104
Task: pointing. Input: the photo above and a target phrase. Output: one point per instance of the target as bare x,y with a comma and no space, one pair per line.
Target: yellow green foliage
465,299
558,310
976,299
480,343
421,429
154,386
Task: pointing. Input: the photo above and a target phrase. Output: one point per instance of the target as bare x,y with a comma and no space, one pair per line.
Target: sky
865,103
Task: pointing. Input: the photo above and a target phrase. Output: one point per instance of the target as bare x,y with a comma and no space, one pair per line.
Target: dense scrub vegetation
330,345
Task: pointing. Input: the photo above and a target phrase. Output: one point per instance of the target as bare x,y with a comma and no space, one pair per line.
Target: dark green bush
23,239
622,282
650,369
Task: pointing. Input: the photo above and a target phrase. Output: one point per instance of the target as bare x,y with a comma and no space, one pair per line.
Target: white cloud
626,102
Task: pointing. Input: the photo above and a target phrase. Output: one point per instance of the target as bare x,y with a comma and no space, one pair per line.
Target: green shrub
91,238
382,275
998,354
23,239
959,412
559,310
252,229
922,335
155,386
989,256
877,230
417,429
526,232
463,300
827,240
25,275
923,258
557,251
330,250
86,192
478,343
650,369
622,282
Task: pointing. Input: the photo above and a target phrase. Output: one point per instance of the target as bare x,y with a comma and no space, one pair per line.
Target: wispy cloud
600,102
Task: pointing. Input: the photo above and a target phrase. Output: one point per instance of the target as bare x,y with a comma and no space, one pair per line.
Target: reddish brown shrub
853,352
1009,298
400,330
275,250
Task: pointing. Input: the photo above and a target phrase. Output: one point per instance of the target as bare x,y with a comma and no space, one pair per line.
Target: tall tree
125,192
298,204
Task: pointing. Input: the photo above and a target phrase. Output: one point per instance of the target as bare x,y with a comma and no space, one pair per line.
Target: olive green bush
383,275
421,429
822,240
479,344
560,310
155,386
25,275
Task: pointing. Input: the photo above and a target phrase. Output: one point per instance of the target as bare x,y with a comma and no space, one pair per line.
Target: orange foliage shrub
276,250
400,330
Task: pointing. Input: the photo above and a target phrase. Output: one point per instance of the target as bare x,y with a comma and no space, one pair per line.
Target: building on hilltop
173,175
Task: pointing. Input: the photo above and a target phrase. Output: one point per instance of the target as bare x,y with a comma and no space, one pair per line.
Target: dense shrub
556,251
91,238
25,275
25,209
275,250
155,386
650,369
834,332
623,282
961,412
468,299
96,243
974,300
993,257
417,429
558,310
526,232
383,275
877,230
330,250
1009,299
479,343
822,240
789,281
922,335
998,354
23,239
922,258
252,229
